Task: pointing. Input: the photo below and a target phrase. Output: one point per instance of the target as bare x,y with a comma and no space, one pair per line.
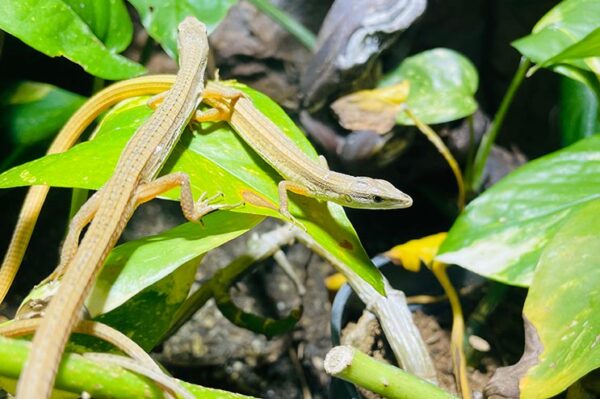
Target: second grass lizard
133,182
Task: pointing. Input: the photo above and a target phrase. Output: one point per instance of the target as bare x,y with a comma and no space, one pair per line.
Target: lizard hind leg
82,218
222,99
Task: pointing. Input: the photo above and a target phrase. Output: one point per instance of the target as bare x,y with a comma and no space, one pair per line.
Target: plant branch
442,149
390,382
474,178
77,374
458,329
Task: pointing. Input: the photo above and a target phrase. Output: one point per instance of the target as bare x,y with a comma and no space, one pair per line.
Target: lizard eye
377,199
347,198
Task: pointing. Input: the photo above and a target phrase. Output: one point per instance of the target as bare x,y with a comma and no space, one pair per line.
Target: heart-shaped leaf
161,17
56,29
563,308
502,233
442,85
565,37
30,112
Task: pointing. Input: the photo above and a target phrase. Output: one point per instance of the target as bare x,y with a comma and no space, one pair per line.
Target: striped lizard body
132,182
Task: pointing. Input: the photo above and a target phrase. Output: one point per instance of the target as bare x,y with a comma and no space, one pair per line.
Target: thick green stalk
298,30
384,379
77,374
475,177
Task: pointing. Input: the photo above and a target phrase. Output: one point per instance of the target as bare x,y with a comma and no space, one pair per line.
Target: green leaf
579,112
31,112
559,34
563,307
108,19
151,277
587,47
217,161
157,272
55,29
442,86
586,77
161,17
502,233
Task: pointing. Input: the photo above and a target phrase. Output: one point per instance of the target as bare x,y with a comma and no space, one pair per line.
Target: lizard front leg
282,188
193,211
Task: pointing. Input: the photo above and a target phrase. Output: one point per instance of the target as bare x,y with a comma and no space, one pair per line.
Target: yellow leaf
413,252
374,109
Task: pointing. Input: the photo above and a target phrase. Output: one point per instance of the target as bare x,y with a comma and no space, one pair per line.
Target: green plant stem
304,36
475,178
77,374
384,379
437,142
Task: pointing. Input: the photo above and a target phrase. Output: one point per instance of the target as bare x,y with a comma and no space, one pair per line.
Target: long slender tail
37,379
65,139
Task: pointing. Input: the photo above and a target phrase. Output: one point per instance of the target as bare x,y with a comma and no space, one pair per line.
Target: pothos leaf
502,233
161,17
55,29
442,85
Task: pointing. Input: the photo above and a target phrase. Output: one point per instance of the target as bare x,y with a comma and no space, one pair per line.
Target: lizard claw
292,220
205,206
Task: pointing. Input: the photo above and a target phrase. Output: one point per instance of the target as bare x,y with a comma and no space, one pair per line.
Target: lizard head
369,193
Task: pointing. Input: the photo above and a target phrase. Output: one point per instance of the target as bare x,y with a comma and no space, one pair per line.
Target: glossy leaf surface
161,17
502,233
563,306
442,86
55,29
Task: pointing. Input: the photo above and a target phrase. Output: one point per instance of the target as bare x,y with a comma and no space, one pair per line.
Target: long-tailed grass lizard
302,174
133,182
